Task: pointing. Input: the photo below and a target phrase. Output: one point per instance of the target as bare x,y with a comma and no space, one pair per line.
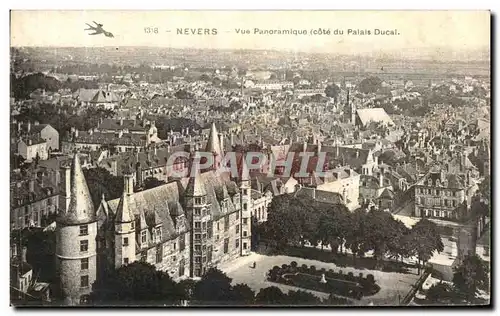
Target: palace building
183,227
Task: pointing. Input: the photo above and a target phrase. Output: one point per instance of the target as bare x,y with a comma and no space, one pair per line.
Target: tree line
141,283
297,221
22,87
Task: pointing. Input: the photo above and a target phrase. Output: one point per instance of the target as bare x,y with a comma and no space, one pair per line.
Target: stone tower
76,241
125,226
197,209
246,209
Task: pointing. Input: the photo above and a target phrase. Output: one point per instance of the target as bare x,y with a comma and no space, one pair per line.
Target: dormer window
158,234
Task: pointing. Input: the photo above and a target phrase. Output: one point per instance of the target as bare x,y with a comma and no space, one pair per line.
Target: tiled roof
114,124
129,139
374,115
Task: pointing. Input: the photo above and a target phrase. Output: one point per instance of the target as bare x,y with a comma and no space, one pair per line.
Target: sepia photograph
250,158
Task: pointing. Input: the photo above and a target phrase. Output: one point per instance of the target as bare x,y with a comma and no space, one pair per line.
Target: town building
121,140
34,199
440,194
33,147
183,227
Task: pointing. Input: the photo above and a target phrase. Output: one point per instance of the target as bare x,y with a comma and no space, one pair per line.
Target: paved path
392,284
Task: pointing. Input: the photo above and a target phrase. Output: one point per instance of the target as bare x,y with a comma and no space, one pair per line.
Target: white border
198,5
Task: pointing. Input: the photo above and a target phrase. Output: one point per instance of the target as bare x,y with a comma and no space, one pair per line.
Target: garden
322,280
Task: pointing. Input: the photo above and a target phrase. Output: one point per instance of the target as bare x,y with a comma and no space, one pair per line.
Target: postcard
250,158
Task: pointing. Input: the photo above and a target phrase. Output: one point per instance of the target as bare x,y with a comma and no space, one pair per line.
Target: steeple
195,185
123,211
81,208
213,144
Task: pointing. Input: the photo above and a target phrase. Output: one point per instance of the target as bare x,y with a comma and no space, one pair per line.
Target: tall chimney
32,185
232,139
29,127
304,146
121,121
381,179
128,184
221,143
24,251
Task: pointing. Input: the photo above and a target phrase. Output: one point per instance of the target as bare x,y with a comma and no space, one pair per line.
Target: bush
284,268
370,279
276,268
293,264
361,276
304,267
340,272
330,273
350,276
312,269
323,270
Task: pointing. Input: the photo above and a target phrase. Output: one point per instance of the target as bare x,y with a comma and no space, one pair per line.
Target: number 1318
151,30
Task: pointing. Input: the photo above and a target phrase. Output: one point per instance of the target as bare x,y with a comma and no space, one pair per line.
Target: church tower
246,209
76,241
125,226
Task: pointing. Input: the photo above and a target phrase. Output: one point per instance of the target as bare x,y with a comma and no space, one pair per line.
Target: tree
355,239
425,240
183,94
271,296
283,225
302,298
485,189
370,85
382,229
138,282
243,294
213,288
441,293
333,227
100,182
186,287
470,276
399,245
332,91
152,182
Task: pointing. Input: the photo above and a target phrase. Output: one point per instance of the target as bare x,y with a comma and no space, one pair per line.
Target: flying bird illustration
98,30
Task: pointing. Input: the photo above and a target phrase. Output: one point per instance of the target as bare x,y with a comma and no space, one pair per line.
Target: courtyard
393,285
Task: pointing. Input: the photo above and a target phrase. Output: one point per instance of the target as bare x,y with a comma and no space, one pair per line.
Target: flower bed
336,282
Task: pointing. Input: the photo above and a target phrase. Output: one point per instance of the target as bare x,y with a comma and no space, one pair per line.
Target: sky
418,30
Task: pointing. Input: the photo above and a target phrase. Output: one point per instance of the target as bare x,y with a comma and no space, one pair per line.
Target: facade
32,147
120,141
377,189
42,131
183,227
345,182
34,201
444,195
